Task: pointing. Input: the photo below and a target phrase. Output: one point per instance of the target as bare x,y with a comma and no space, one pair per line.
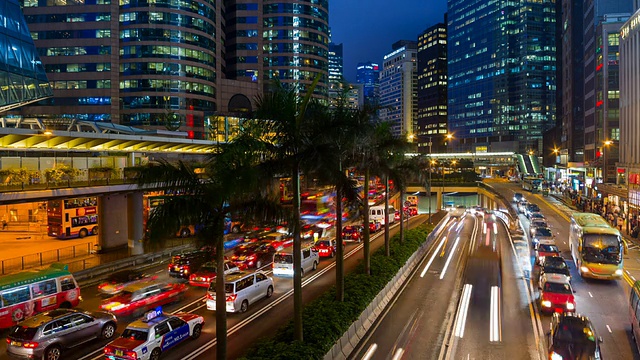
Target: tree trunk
339,248
365,223
402,215
221,298
297,257
387,245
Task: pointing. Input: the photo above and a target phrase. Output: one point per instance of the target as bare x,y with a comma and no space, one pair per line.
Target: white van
376,213
241,289
283,260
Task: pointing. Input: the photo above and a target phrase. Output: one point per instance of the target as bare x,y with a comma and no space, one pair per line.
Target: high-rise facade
432,89
22,76
502,74
173,64
398,88
368,74
336,75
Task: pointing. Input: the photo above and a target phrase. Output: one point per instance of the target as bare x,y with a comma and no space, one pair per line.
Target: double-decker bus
27,293
71,218
596,247
531,183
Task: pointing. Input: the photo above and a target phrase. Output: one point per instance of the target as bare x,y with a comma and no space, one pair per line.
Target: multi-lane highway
261,320
464,301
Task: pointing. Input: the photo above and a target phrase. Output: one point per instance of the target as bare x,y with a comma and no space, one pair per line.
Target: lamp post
604,160
556,151
429,184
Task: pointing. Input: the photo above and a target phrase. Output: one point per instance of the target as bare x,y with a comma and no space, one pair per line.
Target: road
262,319
458,302
604,302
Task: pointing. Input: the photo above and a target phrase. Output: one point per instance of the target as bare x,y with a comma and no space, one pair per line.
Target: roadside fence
44,258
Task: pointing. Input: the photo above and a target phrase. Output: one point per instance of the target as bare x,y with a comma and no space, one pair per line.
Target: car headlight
570,306
546,303
619,272
541,259
555,356
584,269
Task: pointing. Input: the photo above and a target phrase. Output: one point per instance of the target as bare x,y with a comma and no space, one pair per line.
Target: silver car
48,334
542,236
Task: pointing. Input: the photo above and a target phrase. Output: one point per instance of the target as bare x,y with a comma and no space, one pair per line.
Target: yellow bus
596,247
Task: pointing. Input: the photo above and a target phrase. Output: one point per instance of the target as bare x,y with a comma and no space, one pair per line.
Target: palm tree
337,131
401,170
284,118
228,182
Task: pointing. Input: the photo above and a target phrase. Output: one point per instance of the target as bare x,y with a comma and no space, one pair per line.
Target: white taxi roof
555,278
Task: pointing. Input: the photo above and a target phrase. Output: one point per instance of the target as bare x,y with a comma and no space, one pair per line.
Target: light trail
435,253
461,318
446,264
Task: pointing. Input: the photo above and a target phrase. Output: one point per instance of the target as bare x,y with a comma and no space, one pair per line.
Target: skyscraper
432,89
336,76
368,74
173,64
502,74
398,88
22,76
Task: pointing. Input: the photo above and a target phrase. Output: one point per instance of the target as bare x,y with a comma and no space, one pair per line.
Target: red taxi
254,255
374,226
147,338
208,271
327,247
135,299
556,294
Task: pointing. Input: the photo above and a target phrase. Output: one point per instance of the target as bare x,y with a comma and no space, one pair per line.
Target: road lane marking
435,253
461,316
446,264
159,271
590,294
369,354
608,328
495,331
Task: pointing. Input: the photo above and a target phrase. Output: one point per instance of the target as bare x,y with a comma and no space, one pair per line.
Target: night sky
368,28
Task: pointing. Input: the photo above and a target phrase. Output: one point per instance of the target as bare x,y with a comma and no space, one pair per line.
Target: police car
155,333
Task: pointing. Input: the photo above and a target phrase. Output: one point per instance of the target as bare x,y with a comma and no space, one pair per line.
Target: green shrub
323,328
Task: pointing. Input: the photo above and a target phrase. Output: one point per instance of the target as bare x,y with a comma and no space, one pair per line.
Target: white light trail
435,253
446,264
461,320
494,315
398,354
369,354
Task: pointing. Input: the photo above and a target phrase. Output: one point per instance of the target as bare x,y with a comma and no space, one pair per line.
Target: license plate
16,343
119,353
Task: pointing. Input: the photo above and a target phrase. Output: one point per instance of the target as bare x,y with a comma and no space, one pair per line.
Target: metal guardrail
83,273
45,257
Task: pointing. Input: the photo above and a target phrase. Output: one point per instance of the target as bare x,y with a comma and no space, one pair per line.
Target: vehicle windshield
601,248
22,332
283,258
135,334
548,248
543,232
324,243
558,288
555,263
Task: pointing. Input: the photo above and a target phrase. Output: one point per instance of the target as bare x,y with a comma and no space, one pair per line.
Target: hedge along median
323,328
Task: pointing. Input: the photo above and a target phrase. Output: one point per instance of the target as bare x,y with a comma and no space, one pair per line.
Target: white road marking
159,271
461,317
590,294
435,253
608,328
446,264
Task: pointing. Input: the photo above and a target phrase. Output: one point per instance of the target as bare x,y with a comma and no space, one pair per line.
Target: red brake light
131,355
232,297
8,341
251,257
209,296
30,345
108,350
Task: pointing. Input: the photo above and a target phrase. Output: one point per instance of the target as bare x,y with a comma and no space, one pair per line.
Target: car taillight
30,345
8,341
185,269
170,266
209,296
131,355
108,350
252,257
232,297
192,277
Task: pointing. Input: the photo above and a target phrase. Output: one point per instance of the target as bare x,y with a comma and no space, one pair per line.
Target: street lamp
604,160
556,152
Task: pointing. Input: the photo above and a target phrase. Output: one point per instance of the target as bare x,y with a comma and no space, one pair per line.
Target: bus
72,218
531,183
596,247
30,292
634,313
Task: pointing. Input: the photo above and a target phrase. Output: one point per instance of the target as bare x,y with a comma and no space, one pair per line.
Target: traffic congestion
144,313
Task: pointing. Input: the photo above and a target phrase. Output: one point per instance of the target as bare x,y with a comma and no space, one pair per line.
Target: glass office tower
502,74
22,76
368,74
